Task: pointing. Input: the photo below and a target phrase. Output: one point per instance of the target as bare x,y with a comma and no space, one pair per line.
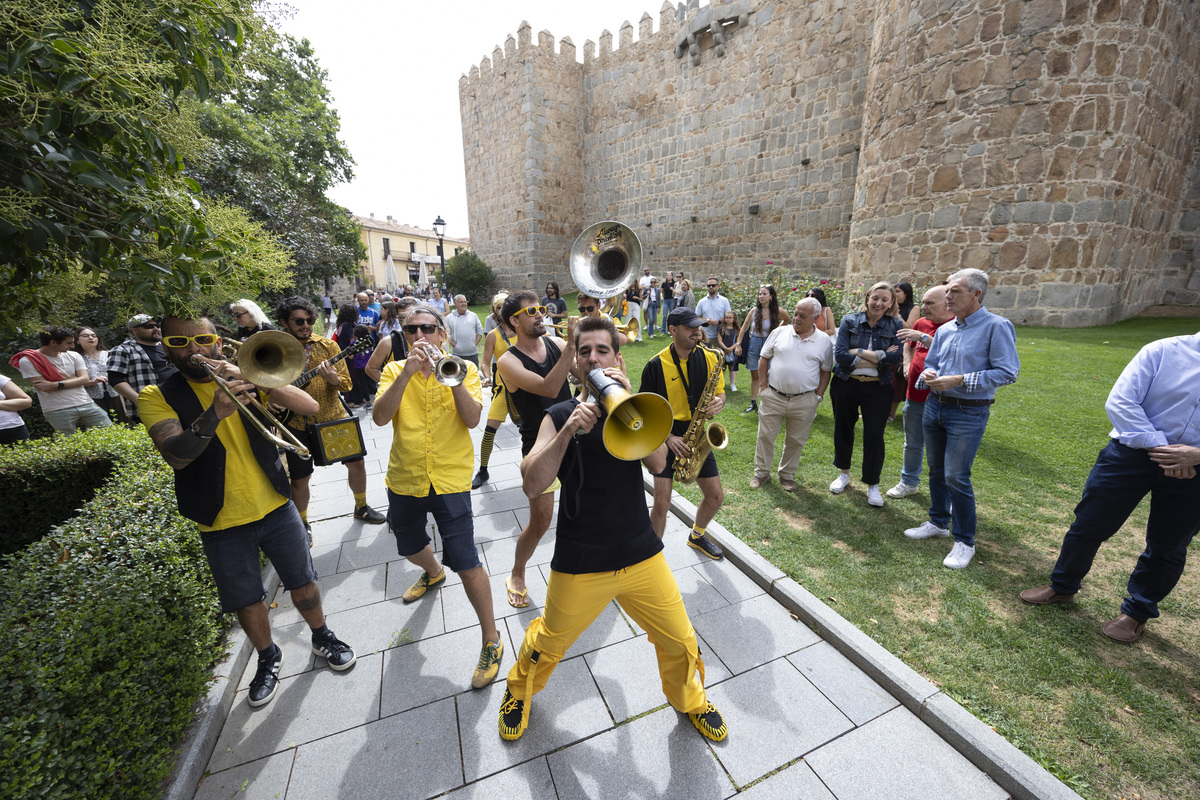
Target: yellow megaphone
635,425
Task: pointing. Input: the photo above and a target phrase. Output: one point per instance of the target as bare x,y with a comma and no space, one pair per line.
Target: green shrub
844,298
467,274
110,628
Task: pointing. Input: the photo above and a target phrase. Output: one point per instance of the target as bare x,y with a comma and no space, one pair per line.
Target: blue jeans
668,307
952,437
914,442
1121,477
652,316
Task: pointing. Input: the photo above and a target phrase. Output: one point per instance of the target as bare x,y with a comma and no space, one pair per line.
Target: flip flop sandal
523,594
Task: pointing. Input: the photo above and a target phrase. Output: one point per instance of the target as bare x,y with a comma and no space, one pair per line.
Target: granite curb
202,734
1008,766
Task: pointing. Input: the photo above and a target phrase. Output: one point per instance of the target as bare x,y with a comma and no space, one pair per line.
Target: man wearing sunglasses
296,315
534,370
429,472
711,310
139,361
590,307
230,482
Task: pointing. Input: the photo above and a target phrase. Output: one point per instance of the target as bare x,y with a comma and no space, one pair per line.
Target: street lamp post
439,227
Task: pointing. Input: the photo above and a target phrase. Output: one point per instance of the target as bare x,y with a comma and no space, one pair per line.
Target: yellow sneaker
710,723
512,717
423,584
489,664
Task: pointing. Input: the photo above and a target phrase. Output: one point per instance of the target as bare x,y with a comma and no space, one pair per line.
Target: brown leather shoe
1044,596
1124,629
788,485
757,482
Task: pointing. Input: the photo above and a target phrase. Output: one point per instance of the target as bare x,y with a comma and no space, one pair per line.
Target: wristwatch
195,429
61,385
820,398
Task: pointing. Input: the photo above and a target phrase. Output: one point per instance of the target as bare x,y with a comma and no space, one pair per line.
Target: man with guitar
325,375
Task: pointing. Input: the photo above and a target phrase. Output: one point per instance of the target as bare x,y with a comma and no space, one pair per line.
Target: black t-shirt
163,368
556,306
589,538
532,406
668,289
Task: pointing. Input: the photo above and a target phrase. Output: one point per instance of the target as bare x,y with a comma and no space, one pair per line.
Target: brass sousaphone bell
635,425
605,259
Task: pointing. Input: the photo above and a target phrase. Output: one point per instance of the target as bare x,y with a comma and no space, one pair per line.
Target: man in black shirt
534,370
139,361
595,561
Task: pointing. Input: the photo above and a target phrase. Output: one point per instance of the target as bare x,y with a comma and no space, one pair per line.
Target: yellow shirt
323,349
431,445
676,393
249,495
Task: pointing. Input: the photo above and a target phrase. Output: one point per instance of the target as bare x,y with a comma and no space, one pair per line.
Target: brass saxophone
700,436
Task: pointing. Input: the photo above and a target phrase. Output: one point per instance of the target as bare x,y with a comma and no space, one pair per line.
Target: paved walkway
804,720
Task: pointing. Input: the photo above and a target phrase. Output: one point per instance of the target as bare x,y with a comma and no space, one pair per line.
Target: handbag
337,440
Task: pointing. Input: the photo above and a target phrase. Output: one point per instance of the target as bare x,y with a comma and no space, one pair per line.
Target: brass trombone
270,360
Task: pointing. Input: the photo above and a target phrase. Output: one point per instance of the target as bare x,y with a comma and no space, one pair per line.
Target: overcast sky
393,73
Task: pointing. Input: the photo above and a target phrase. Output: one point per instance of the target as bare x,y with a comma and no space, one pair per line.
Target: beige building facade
399,254
1054,143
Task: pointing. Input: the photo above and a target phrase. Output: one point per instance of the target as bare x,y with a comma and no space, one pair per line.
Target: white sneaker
960,556
733,387
839,485
927,530
873,496
902,489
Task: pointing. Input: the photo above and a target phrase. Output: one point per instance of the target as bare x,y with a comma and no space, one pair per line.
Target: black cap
685,316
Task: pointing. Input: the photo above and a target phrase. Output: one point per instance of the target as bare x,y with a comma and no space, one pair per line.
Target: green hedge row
110,628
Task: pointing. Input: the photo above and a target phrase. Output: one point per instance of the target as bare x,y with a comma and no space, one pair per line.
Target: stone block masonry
1054,143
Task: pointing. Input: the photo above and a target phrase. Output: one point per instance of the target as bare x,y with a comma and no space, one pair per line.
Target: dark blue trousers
1121,477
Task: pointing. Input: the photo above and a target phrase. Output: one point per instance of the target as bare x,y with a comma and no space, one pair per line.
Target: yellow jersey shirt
676,393
431,445
249,495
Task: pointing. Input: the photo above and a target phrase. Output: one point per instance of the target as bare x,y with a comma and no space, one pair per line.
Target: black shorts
303,467
707,470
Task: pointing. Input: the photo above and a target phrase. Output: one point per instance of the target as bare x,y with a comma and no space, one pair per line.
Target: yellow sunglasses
202,339
533,311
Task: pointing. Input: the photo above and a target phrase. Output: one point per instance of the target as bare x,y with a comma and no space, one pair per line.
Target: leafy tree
95,122
467,274
274,151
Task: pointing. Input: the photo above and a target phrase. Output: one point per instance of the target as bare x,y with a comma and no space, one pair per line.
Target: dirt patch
923,608
798,521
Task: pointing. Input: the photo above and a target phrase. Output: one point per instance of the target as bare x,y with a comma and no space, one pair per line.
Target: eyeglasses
425,328
149,326
302,320
587,309
202,339
533,311
240,314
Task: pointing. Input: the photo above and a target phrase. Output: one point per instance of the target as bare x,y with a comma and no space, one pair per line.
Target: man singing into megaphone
595,561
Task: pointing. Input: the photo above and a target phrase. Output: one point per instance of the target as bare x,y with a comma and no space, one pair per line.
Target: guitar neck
307,377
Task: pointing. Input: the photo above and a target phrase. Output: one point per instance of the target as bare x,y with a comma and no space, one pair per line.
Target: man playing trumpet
429,471
595,561
230,482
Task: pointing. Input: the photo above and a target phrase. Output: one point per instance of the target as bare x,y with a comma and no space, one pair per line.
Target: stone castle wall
1054,143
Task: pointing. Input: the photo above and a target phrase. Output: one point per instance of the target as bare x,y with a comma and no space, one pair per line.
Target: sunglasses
712,286
149,326
587,309
202,339
425,328
533,311
303,320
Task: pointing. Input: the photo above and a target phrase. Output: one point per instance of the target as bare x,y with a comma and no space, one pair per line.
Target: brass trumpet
269,359
631,329
448,369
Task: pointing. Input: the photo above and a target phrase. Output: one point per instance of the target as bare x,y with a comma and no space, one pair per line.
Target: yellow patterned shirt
319,349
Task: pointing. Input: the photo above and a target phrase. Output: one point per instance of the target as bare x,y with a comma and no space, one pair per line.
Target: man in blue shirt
711,310
1154,447
366,315
971,356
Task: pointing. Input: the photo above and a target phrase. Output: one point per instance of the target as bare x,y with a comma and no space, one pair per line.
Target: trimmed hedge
110,625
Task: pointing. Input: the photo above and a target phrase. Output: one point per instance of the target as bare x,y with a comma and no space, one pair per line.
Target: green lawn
1112,721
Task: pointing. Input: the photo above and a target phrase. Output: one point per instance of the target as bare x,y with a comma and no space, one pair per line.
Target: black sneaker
706,546
512,717
266,678
480,478
752,407
368,514
339,654
710,723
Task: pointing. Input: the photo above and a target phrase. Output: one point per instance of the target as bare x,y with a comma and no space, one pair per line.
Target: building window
387,247
457,250
412,247
439,249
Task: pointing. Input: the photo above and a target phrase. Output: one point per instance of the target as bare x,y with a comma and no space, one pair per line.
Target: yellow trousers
649,594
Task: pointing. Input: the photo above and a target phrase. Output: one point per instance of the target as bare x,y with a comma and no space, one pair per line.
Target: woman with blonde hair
495,344
765,317
250,319
865,356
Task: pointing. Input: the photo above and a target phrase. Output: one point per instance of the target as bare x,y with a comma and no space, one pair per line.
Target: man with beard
139,361
229,481
679,373
296,315
534,370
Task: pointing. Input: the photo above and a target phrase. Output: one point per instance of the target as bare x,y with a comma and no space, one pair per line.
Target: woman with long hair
765,317
95,356
825,323
389,320
865,356
250,319
495,344
904,307
687,298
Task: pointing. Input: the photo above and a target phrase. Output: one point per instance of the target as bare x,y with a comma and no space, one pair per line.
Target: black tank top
533,406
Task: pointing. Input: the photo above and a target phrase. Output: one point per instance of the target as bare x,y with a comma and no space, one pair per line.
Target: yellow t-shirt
249,495
431,445
676,393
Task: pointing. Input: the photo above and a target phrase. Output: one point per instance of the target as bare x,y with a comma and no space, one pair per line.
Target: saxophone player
681,373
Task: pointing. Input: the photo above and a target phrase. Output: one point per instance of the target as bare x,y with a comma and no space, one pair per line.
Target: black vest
532,407
200,486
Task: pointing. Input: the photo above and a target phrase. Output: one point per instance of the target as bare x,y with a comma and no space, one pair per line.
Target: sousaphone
605,259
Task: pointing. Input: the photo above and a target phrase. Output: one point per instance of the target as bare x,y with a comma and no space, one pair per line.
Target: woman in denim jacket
865,354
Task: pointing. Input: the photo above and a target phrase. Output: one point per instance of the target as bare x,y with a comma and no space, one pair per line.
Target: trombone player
230,482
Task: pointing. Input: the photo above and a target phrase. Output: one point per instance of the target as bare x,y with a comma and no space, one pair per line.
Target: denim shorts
756,346
233,556
455,521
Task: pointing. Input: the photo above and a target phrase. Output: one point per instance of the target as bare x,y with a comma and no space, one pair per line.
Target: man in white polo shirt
793,369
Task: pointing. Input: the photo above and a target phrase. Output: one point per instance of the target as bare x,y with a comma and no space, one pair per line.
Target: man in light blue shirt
712,310
1154,448
971,356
